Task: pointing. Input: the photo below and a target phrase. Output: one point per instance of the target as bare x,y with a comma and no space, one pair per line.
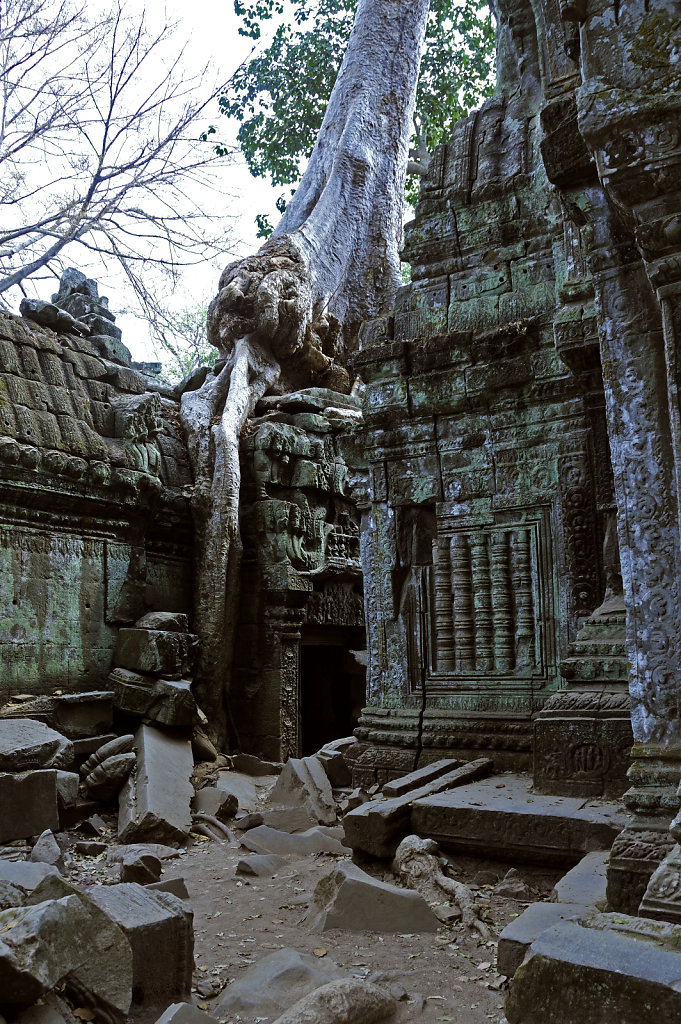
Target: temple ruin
471,562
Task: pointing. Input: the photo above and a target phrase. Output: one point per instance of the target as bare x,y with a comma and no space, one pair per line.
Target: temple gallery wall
476,553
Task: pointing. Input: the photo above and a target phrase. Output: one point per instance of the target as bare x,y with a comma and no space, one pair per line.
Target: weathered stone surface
12,895
28,804
47,851
332,757
585,883
263,839
176,886
217,802
106,780
251,765
244,788
110,748
520,933
154,803
304,781
482,818
606,968
67,790
378,826
159,929
284,819
116,854
140,866
79,715
513,887
350,1000
350,898
170,622
168,701
154,650
275,982
25,874
414,780
26,744
31,961
183,1013
263,865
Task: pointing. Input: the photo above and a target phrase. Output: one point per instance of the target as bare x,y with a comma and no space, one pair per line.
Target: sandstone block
169,622
46,850
303,781
176,886
350,898
519,934
274,983
262,865
154,803
351,1000
26,744
249,764
168,701
79,715
216,802
264,839
378,827
284,819
24,874
605,968
28,804
159,929
67,790
155,650
245,788
584,884
414,780
140,866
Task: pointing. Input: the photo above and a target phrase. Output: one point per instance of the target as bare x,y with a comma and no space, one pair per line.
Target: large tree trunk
292,311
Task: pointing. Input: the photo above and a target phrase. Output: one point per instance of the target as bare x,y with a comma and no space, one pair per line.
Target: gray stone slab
176,886
67,789
163,652
303,781
28,804
605,968
361,1003
155,802
284,819
274,983
262,865
378,827
217,802
79,715
246,788
519,934
26,744
586,882
159,929
264,839
350,898
24,874
481,818
414,780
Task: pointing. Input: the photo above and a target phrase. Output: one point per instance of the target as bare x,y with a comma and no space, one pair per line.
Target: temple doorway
332,688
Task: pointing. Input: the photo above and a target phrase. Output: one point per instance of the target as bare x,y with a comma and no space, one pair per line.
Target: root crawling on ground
418,865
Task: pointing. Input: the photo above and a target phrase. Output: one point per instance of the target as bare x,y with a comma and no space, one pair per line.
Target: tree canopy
280,95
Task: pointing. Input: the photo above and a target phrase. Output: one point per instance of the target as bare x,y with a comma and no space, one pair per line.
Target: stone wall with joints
301,572
491,487
94,528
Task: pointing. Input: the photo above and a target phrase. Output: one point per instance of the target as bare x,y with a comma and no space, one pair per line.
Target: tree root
417,864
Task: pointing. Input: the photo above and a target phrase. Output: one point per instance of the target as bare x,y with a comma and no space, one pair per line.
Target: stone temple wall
94,529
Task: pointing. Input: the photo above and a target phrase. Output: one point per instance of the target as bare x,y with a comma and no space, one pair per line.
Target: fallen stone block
154,803
332,757
106,780
26,744
176,886
263,839
184,1013
349,898
67,790
512,887
31,961
303,781
162,652
170,622
421,777
110,748
79,715
158,927
378,827
609,967
249,764
168,701
245,788
216,802
28,803
276,982
350,1000
520,933
47,851
284,819
142,867
24,874
84,748
584,884
203,748
89,849
262,865
116,854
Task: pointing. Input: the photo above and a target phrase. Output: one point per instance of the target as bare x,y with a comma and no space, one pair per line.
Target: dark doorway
332,694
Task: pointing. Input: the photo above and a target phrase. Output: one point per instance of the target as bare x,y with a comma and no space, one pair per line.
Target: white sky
210,30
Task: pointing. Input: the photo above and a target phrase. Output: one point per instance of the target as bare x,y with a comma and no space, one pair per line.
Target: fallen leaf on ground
320,951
